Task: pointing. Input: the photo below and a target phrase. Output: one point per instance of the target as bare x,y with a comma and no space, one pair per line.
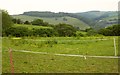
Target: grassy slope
110,18
70,20
31,26
91,15
104,23
107,20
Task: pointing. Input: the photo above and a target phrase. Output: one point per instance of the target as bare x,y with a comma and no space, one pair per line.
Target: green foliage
37,22
27,22
14,20
91,32
17,21
27,30
110,31
65,30
6,20
17,31
44,32
81,33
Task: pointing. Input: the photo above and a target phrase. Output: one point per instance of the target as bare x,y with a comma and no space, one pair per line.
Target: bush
17,31
20,31
44,32
65,30
110,31
80,33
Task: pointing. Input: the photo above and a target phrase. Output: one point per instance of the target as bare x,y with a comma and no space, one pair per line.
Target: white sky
20,6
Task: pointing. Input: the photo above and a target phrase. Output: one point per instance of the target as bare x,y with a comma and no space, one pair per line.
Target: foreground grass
36,63
41,63
68,45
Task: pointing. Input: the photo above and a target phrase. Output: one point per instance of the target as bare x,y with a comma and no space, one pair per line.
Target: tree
37,22
65,30
14,20
64,19
110,31
91,31
26,22
19,21
6,20
18,31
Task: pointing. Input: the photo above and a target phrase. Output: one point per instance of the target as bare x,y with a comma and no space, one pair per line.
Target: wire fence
68,55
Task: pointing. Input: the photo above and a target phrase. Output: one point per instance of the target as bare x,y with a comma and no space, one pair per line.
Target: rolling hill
83,20
56,20
101,19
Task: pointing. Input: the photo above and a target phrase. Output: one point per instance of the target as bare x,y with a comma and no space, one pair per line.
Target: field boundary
69,40
115,46
68,55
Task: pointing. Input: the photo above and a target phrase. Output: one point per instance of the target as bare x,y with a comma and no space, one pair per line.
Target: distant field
110,18
37,63
31,26
56,20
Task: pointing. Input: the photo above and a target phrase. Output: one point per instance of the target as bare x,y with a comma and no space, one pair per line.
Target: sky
72,6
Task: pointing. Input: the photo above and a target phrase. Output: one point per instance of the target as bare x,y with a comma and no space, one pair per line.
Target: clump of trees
58,30
27,22
91,32
19,31
39,22
110,31
65,30
17,21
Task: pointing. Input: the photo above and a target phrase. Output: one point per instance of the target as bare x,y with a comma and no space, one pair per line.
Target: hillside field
56,20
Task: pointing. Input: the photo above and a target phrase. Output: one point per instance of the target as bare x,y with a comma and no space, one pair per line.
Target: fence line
68,40
69,55
115,47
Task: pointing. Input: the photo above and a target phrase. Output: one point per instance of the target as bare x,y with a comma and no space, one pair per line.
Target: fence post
11,61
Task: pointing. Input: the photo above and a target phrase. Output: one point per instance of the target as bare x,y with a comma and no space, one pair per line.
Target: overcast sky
20,6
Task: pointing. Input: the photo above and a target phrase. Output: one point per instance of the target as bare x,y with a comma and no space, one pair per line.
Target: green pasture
32,26
49,63
65,45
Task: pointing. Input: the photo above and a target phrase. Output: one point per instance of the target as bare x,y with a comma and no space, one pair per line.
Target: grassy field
32,26
54,21
49,63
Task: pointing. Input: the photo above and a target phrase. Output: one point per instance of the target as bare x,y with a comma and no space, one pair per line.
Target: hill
83,20
56,20
101,19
